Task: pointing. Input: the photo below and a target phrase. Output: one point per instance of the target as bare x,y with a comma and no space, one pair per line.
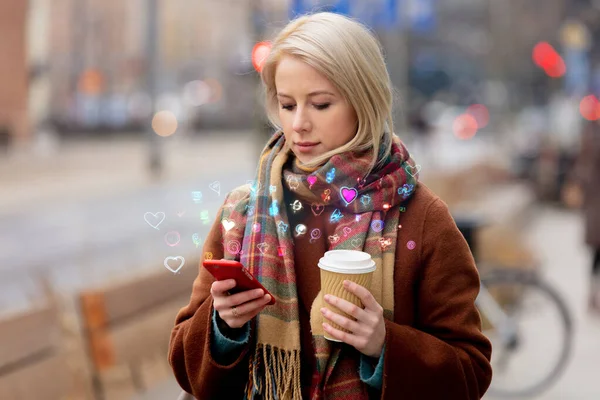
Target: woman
334,177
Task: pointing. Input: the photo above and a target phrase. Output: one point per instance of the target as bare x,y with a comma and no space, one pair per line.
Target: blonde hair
351,58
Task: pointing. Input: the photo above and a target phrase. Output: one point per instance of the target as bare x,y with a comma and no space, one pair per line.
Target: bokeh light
589,108
260,52
545,57
164,123
216,90
196,93
465,126
480,113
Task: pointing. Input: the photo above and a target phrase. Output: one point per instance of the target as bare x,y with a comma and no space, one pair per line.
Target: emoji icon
311,179
181,261
274,209
411,245
180,213
254,186
377,225
227,224
330,175
348,194
402,209
154,220
204,217
336,216
385,243
208,255
215,187
263,247
272,189
317,209
358,217
300,230
405,190
333,239
365,199
296,206
347,230
197,197
250,210
256,227
196,239
326,196
293,182
172,238
315,234
412,171
361,182
282,227
234,247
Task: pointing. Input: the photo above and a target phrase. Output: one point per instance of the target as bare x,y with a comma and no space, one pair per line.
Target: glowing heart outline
227,224
155,215
409,169
348,194
181,263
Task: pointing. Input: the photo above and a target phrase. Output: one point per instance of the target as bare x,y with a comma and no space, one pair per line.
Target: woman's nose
301,121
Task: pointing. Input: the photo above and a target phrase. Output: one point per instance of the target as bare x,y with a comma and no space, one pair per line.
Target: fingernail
346,283
323,310
258,292
327,297
267,297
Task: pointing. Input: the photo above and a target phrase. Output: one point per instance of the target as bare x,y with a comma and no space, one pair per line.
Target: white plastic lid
347,262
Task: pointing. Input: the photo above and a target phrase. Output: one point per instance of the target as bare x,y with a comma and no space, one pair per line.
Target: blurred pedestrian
334,176
587,177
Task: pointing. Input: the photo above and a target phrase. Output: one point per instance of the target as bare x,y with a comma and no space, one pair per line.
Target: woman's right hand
239,308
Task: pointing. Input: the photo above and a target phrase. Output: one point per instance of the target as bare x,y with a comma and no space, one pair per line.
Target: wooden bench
131,321
32,365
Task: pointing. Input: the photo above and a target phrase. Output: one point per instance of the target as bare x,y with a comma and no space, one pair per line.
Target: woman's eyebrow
316,92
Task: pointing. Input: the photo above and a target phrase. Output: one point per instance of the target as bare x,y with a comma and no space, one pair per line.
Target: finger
348,338
252,307
364,295
347,307
220,287
344,322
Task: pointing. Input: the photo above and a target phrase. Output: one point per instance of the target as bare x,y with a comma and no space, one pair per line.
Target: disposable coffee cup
336,267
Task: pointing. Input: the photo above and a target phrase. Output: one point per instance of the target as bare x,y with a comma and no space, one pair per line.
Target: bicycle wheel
530,329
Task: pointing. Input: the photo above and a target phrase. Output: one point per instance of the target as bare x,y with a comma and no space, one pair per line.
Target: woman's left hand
368,331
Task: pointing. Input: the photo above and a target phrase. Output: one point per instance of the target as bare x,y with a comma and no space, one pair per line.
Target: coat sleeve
189,350
445,355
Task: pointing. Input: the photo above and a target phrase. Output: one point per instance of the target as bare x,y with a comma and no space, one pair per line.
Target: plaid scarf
255,231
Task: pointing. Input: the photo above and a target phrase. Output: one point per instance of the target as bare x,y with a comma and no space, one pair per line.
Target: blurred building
13,70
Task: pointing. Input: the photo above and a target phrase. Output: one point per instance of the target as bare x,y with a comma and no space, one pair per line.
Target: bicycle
506,298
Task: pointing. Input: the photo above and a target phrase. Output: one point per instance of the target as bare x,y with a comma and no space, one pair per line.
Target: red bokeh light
465,126
480,113
589,108
545,57
260,52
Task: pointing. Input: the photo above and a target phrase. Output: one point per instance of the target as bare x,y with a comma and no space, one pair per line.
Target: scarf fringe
279,377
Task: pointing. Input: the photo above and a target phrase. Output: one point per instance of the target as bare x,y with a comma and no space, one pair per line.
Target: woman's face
314,116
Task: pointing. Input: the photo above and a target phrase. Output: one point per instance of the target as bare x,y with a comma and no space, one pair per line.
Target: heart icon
347,230
178,258
154,220
356,242
311,180
317,209
227,224
348,194
412,171
215,187
334,239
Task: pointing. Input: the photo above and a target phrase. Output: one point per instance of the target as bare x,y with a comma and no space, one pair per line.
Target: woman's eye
287,107
321,106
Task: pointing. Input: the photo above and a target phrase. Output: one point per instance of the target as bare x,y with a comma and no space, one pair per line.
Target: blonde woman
334,176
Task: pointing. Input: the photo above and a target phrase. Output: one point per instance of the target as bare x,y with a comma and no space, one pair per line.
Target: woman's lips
305,147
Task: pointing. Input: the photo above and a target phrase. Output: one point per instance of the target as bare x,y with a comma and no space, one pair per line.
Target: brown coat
588,174
434,346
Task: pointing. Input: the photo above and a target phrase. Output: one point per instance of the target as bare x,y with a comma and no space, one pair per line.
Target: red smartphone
229,269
